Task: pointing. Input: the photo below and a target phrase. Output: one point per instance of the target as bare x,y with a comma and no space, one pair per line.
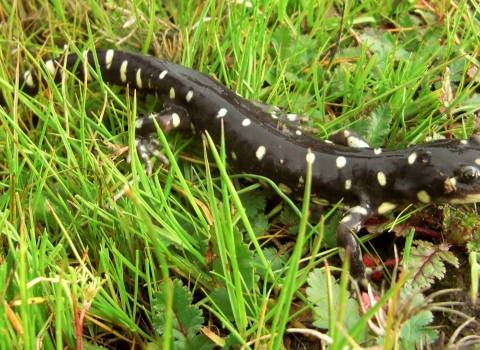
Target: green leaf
260,225
244,258
253,202
375,127
428,262
414,331
187,319
222,302
330,230
290,219
276,261
282,42
383,44
460,226
318,294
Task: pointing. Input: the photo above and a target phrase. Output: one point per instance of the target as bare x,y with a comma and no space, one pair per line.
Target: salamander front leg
348,245
289,118
146,138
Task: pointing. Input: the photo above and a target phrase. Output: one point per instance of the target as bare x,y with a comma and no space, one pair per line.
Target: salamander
368,181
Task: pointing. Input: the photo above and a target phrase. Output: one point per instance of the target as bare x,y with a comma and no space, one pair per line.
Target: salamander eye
468,174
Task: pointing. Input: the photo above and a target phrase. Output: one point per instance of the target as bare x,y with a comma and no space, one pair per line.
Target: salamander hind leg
348,245
146,139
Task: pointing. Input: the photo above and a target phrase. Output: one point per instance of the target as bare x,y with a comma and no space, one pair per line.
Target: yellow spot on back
423,197
382,180
385,207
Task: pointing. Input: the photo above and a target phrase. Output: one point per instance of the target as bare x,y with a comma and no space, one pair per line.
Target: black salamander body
368,181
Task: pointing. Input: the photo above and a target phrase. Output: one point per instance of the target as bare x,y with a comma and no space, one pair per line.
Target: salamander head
444,171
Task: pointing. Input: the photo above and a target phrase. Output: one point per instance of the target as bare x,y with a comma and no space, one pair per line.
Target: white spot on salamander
50,67
298,132
260,152
377,151
292,117
348,184
175,120
139,78
411,158
356,142
341,162
385,207
189,96
109,58
246,122
222,113
346,219
138,123
382,179
123,71
27,76
172,93
163,74
359,210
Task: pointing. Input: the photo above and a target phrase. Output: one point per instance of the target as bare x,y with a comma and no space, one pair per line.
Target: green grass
70,265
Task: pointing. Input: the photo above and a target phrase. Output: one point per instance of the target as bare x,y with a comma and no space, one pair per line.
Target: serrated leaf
290,219
416,330
260,225
253,202
187,319
459,226
336,87
232,342
428,262
282,42
276,261
383,44
244,258
469,104
330,229
288,216
379,125
222,302
318,294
